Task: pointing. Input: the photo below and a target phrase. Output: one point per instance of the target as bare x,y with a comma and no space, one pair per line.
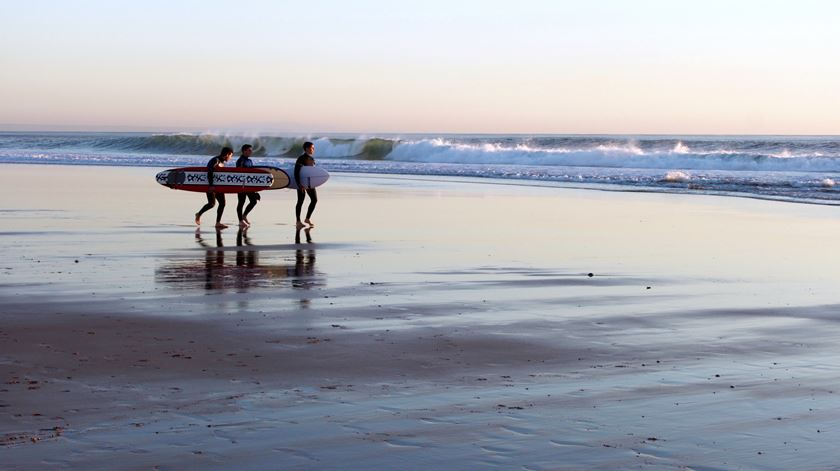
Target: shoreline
496,180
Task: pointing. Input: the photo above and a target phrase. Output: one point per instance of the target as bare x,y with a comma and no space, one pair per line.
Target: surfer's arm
211,170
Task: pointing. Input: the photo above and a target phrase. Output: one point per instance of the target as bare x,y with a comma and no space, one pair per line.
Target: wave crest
664,153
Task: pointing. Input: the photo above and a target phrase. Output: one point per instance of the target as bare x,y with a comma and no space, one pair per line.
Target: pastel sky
518,66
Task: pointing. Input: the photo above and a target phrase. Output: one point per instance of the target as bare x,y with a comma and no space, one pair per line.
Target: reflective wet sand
421,323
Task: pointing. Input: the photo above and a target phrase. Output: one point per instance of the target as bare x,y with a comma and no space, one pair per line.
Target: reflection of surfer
305,231
245,162
215,270
246,258
305,160
200,240
303,275
304,268
214,260
212,196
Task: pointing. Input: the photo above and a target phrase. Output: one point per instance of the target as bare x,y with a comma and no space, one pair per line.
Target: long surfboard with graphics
225,179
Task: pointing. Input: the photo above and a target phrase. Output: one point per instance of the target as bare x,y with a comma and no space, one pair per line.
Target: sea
789,168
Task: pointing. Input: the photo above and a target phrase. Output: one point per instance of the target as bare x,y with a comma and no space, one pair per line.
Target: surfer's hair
246,147
307,145
225,151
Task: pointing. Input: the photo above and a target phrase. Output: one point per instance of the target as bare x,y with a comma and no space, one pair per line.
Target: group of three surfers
244,161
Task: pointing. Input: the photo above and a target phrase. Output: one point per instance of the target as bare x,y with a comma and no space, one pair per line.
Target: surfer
212,197
244,161
305,160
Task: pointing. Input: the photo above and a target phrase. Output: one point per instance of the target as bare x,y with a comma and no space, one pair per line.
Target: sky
518,66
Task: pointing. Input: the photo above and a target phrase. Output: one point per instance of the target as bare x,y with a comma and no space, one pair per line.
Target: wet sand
451,324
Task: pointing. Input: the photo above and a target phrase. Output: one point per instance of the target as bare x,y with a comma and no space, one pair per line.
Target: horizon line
290,133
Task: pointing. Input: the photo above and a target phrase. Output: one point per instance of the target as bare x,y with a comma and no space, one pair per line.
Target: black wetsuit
253,197
212,197
304,161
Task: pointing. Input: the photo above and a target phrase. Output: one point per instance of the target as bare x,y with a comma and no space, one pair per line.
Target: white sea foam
680,148
611,156
676,177
784,154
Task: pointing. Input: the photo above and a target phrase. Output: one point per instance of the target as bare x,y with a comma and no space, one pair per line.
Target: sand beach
424,323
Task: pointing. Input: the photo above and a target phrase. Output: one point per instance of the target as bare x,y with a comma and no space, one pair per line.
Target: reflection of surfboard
225,179
310,177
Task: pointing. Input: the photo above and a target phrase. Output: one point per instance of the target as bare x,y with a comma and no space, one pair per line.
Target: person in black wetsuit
212,197
244,161
305,160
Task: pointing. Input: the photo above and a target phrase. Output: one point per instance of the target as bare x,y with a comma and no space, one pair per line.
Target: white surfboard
311,177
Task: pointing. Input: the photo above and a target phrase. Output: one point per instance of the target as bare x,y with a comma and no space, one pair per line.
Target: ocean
788,168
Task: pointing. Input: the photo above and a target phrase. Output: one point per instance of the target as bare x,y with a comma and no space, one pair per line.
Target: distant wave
198,144
753,154
625,155
201,144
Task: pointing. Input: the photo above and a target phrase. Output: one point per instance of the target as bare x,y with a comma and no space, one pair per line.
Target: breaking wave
753,154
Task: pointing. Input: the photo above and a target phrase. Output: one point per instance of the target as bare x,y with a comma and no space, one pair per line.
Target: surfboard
225,179
310,176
